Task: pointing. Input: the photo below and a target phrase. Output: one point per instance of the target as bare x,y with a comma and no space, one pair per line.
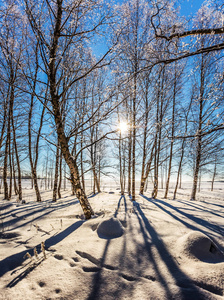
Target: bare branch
195,32
217,128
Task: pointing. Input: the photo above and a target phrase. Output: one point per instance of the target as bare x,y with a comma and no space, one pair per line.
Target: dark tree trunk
172,137
144,147
199,136
120,166
60,176
33,161
7,191
10,172
17,162
14,175
179,170
148,168
55,188
129,161
214,174
81,163
4,122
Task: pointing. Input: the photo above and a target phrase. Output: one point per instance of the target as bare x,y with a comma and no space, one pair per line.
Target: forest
111,150
95,89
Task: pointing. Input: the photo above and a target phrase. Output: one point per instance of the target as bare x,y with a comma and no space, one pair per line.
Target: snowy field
152,249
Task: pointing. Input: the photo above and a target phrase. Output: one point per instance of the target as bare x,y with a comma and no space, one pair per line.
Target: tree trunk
134,98
17,162
214,174
5,169
124,147
182,153
33,162
14,175
162,176
10,171
55,188
155,181
142,182
64,175
7,193
199,136
172,137
46,171
71,162
60,176
81,163
120,166
72,185
179,170
199,182
159,117
1,182
32,165
148,168
129,161
4,121
134,141
180,185
93,161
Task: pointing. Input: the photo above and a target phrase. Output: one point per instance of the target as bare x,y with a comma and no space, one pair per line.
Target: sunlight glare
123,127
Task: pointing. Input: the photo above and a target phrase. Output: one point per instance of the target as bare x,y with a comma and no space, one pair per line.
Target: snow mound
110,228
197,245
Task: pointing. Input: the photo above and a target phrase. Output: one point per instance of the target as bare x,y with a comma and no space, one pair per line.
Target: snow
197,245
150,249
111,228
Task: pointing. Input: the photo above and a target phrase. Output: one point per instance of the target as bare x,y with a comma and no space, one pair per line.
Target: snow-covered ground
152,249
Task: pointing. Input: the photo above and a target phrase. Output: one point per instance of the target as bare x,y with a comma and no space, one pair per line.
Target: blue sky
190,7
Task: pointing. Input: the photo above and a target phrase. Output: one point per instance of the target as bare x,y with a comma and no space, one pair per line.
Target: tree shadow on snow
98,278
129,271
99,281
198,222
32,212
201,207
119,204
92,195
28,268
187,289
214,204
15,260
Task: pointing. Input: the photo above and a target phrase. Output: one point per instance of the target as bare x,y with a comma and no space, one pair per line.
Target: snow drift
110,228
197,245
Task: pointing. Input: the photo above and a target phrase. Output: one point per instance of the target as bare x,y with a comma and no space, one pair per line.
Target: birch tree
11,55
63,27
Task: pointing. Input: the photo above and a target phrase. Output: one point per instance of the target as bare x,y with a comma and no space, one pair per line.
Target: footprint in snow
75,259
73,263
95,261
41,283
58,256
91,269
149,277
128,277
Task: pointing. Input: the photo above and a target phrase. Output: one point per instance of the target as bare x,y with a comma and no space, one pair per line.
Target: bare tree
34,142
67,32
56,169
11,53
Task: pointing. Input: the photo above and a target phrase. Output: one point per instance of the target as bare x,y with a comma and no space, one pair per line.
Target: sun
123,127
